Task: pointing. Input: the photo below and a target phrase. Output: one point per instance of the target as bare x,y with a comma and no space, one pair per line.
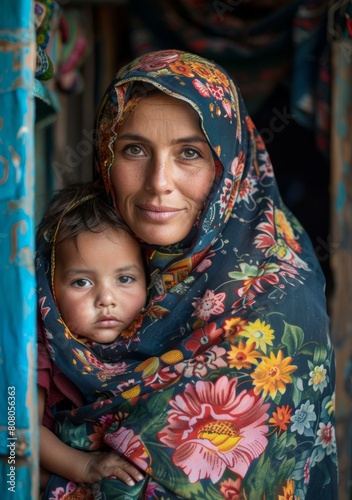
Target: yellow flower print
330,406
260,333
272,374
67,332
243,355
233,327
289,491
318,378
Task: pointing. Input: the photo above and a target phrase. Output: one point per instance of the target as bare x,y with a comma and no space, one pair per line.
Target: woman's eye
125,279
81,283
190,154
133,150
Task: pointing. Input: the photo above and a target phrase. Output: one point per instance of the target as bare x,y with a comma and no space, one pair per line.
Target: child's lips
107,322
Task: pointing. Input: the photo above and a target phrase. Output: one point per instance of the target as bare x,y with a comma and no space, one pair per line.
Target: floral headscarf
224,388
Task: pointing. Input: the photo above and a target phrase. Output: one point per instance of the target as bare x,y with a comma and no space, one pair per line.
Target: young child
99,285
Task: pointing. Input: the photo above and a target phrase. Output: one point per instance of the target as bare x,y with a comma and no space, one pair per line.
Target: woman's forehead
161,106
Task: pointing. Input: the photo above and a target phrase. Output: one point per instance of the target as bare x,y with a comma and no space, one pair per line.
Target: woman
225,389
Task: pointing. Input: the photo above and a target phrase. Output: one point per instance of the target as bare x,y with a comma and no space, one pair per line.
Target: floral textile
225,388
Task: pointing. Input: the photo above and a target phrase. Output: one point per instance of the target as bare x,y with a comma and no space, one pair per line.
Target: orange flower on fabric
284,229
243,355
181,69
202,71
273,374
289,491
233,327
281,417
221,78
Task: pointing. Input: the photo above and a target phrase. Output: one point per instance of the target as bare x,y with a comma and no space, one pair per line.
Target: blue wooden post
18,403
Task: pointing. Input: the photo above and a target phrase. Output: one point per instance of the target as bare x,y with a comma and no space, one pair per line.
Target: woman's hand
110,464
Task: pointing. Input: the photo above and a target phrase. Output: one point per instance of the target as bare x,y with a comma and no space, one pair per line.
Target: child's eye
190,154
126,279
81,283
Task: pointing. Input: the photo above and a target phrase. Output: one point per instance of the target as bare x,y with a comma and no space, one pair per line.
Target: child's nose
106,298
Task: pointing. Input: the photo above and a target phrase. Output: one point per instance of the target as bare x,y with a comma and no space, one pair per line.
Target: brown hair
78,208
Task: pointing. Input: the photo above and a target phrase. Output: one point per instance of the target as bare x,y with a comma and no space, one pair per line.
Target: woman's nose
160,175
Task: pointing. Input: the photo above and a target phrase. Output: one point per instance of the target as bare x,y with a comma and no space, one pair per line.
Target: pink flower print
107,420
203,363
43,309
205,263
211,427
226,104
110,418
237,165
151,490
129,445
211,303
225,195
202,89
216,91
203,337
231,490
266,169
326,437
306,471
157,60
160,379
247,189
72,490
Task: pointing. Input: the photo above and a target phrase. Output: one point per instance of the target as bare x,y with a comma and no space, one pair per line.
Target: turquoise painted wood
18,404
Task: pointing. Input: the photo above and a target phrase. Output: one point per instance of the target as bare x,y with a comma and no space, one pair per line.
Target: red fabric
57,386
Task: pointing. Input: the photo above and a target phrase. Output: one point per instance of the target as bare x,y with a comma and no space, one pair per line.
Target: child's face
99,283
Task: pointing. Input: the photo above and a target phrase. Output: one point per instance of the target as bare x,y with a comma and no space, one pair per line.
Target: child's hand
111,464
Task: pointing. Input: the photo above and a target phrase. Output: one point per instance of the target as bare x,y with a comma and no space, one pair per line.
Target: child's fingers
119,467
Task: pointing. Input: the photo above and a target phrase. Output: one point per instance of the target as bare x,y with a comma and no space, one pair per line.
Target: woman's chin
163,234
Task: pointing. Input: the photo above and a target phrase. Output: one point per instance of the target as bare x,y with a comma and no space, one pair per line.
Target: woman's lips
159,213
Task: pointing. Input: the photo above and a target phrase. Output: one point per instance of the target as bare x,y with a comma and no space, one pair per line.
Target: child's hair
78,208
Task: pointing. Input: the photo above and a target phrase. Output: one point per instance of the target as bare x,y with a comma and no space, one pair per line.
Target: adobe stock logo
223,7
74,157
277,124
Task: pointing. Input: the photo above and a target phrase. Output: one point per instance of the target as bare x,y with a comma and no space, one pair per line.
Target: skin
100,287
162,171
99,283
76,465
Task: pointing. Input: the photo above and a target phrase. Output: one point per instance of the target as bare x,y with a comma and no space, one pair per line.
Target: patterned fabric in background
62,46
224,388
44,15
263,44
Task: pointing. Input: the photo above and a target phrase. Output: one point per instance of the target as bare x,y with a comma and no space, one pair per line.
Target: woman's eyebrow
137,137
131,137
191,138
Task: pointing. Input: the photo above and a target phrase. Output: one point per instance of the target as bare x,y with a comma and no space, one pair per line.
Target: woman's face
163,169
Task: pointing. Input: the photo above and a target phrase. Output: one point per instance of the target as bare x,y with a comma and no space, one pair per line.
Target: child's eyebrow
120,269
128,267
73,272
